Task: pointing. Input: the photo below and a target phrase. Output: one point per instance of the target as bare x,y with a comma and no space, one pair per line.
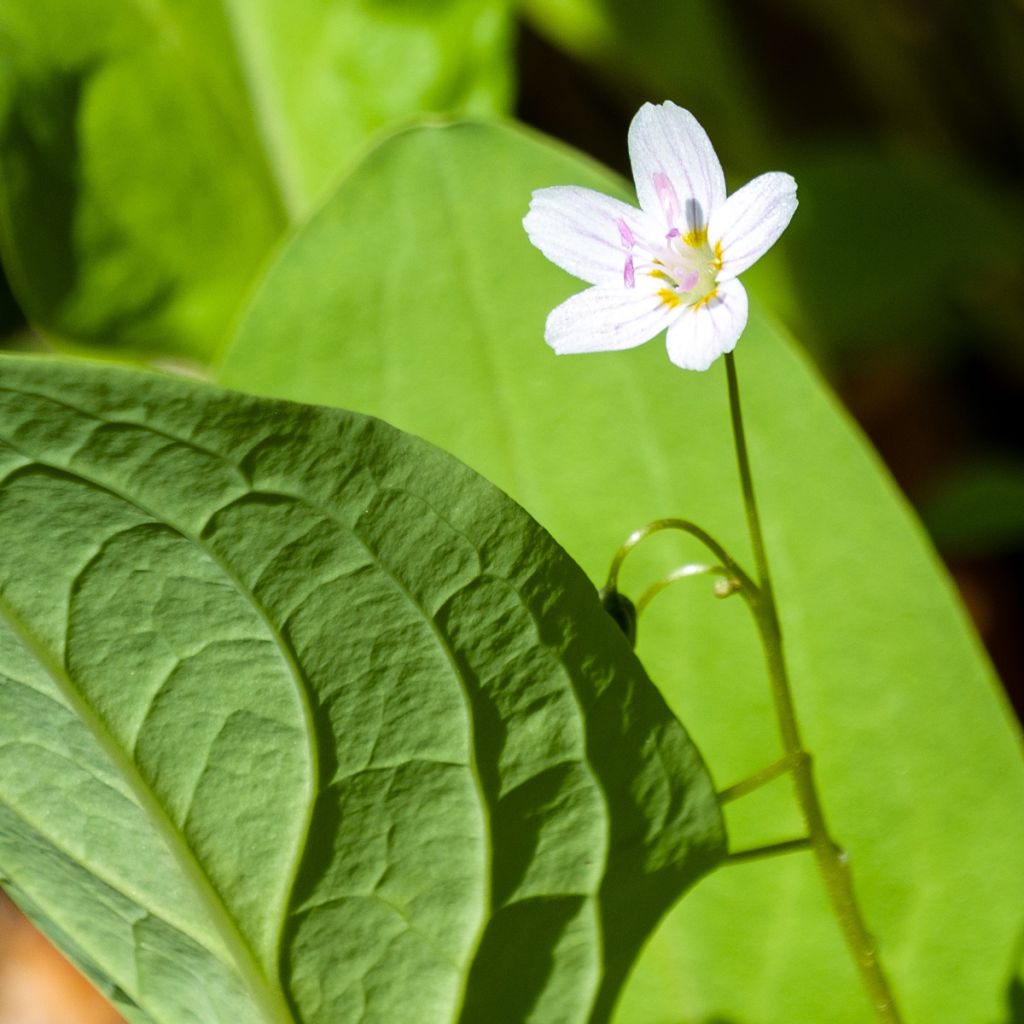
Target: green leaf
302,720
414,294
152,153
978,509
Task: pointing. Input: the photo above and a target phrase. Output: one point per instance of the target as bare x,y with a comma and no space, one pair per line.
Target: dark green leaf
301,720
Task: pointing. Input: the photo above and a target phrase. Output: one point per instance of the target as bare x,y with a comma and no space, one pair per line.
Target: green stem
684,572
684,526
761,778
770,850
830,859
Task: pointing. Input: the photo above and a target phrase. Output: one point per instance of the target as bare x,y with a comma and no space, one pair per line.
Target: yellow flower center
688,266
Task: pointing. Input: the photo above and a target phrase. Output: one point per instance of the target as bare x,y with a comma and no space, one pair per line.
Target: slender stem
831,860
685,526
771,850
761,778
684,572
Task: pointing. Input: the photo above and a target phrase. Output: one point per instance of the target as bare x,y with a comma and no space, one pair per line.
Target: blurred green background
903,269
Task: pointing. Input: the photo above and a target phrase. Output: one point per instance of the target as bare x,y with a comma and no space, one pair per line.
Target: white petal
667,140
751,219
606,318
699,336
583,231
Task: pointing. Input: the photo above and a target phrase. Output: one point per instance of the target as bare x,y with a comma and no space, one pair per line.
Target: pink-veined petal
584,232
674,164
699,336
750,221
606,318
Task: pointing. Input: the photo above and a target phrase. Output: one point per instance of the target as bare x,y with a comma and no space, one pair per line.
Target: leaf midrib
271,999
102,879
205,887
271,1004
440,637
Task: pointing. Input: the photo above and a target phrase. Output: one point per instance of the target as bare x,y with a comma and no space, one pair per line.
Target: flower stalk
832,862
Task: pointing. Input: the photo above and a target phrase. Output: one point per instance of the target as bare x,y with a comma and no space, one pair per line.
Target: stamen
695,218
625,234
628,273
696,238
667,196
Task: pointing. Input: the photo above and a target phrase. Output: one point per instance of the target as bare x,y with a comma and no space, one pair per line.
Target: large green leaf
151,153
415,294
301,720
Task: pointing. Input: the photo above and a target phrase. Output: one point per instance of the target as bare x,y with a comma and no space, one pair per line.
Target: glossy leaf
151,154
301,720
917,758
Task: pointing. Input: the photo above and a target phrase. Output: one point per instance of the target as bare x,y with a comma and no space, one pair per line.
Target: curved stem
831,861
685,526
684,572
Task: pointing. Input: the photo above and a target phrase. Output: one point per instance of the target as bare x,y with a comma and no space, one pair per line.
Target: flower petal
606,318
671,153
702,334
750,221
584,232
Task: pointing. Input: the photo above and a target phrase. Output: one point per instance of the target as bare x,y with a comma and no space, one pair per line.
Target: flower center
688,266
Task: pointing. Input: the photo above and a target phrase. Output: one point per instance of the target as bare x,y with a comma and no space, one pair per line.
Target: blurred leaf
918,760
886,250
978,510
300,719
879,47
686,51
151,154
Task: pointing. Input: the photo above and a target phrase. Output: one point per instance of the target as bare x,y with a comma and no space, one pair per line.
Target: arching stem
830,859
726,585
746,584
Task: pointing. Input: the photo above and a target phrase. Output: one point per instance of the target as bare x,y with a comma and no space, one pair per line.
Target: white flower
671,264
